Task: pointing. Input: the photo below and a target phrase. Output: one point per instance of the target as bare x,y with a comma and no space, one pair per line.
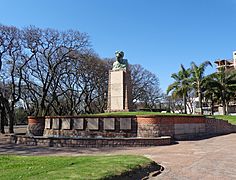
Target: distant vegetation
218,88
142,113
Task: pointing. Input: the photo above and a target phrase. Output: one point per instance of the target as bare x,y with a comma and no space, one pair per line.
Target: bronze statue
120,63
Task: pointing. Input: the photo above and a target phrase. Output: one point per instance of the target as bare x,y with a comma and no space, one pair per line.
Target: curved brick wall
35,126
181,127
152,126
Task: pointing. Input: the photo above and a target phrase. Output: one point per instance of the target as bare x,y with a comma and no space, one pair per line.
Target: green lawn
52,167
140,113
231,119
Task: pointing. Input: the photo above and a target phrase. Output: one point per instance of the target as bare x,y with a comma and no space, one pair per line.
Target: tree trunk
42,111
3,117
185,104
200,101
223,103
11,121
212,106
224,107
227,108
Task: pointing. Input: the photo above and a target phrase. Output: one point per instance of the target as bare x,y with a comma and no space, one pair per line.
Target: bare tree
13,60
53,50
145,87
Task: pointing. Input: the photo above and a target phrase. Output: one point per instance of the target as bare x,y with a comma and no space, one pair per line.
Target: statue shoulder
125,61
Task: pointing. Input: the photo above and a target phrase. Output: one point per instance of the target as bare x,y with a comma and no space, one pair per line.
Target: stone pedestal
119,91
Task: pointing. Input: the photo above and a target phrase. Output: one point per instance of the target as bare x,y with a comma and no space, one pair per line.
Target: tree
53,51
211,94
87,85
13,60
225,82
181,85
199,79
145,87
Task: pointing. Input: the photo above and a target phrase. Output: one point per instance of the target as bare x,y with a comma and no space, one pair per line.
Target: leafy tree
210,93
181,86
198,79
225,82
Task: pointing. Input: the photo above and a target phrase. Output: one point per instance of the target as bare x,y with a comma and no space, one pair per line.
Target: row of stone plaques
92,123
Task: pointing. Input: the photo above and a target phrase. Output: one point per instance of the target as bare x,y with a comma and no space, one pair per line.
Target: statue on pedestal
120,63
119,87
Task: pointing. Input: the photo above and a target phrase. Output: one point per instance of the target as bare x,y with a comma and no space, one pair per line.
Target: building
227,64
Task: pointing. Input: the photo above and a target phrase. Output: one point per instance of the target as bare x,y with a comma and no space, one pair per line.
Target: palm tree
225,82
211,94
199,79
181,85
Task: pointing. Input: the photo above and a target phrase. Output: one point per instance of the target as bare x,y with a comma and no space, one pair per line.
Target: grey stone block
125,123
65,124
47,123
79,123
109,123
93,123
179,127
202,130
179,131
55,123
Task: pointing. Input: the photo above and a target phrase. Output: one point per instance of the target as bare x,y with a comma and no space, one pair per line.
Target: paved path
213,158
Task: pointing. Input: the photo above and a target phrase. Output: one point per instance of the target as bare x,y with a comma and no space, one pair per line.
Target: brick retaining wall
151,126
182,127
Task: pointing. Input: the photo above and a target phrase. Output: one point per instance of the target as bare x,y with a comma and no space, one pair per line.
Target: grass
60,167
230,119
136,113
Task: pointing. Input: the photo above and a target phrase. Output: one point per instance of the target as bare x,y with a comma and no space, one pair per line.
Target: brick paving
213,158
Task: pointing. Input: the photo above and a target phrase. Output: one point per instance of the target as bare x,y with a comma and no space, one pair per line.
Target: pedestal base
119,91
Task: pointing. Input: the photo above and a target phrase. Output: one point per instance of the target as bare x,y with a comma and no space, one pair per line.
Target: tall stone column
119,91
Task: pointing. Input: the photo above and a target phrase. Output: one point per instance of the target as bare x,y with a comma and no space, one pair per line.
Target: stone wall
90,127
151,126
89,142
216,126
182,127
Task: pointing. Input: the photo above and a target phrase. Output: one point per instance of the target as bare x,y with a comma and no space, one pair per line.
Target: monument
119,87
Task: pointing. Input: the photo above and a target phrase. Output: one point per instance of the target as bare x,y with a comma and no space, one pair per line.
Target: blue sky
158,34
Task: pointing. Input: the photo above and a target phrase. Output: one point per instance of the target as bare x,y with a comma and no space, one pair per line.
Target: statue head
120,63
119,54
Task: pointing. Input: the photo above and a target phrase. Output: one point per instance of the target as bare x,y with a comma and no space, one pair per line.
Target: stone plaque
47,123
55,123
109,123
65,123
125,123
79,123
93,123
